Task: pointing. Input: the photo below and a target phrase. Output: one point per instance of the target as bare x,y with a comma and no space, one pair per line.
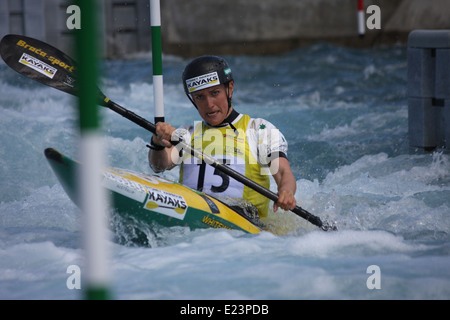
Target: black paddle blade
39,61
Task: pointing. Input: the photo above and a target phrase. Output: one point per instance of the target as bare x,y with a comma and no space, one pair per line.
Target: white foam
360,243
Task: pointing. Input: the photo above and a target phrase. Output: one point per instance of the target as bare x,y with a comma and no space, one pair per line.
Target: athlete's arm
161,159
272,150
286,184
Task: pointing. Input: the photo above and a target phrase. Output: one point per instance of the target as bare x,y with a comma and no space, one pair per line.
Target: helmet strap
189,96
227,85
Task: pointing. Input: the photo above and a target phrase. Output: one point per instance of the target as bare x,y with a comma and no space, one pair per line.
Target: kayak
155,201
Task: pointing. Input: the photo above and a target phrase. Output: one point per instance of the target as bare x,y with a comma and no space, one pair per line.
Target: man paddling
251,146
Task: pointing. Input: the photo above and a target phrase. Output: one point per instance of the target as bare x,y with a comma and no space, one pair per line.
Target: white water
344,113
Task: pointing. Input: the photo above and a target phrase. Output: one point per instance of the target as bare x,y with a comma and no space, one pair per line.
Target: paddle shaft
54,68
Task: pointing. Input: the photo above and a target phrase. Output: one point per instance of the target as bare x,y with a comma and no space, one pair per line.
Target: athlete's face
212,103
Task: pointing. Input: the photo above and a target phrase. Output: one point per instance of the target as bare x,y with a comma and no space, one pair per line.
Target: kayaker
251,146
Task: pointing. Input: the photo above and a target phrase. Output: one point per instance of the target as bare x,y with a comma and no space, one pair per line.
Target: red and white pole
361,25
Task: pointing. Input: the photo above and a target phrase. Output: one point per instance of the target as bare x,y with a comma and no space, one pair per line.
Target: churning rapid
344,113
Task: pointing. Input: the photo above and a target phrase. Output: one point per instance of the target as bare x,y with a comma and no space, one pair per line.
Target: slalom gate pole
158,92
361,25
93,197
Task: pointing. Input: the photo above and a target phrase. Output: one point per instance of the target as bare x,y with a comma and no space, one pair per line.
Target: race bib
203,177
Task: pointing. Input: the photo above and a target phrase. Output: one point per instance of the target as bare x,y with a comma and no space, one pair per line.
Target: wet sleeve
271,143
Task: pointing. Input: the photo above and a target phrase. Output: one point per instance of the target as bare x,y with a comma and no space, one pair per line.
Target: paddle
41,62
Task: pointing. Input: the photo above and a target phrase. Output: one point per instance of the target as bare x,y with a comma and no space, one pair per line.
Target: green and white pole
93,198
158,92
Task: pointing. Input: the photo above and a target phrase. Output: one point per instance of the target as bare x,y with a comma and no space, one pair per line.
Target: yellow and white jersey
245,144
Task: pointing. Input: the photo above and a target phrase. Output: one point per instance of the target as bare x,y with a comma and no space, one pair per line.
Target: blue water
344,113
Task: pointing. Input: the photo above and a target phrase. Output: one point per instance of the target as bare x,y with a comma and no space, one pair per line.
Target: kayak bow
152,199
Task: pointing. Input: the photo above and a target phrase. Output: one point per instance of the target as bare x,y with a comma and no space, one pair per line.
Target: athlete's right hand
163,135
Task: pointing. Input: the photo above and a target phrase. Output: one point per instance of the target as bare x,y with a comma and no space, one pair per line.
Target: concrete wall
193,27
264,27
272,26
125,25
